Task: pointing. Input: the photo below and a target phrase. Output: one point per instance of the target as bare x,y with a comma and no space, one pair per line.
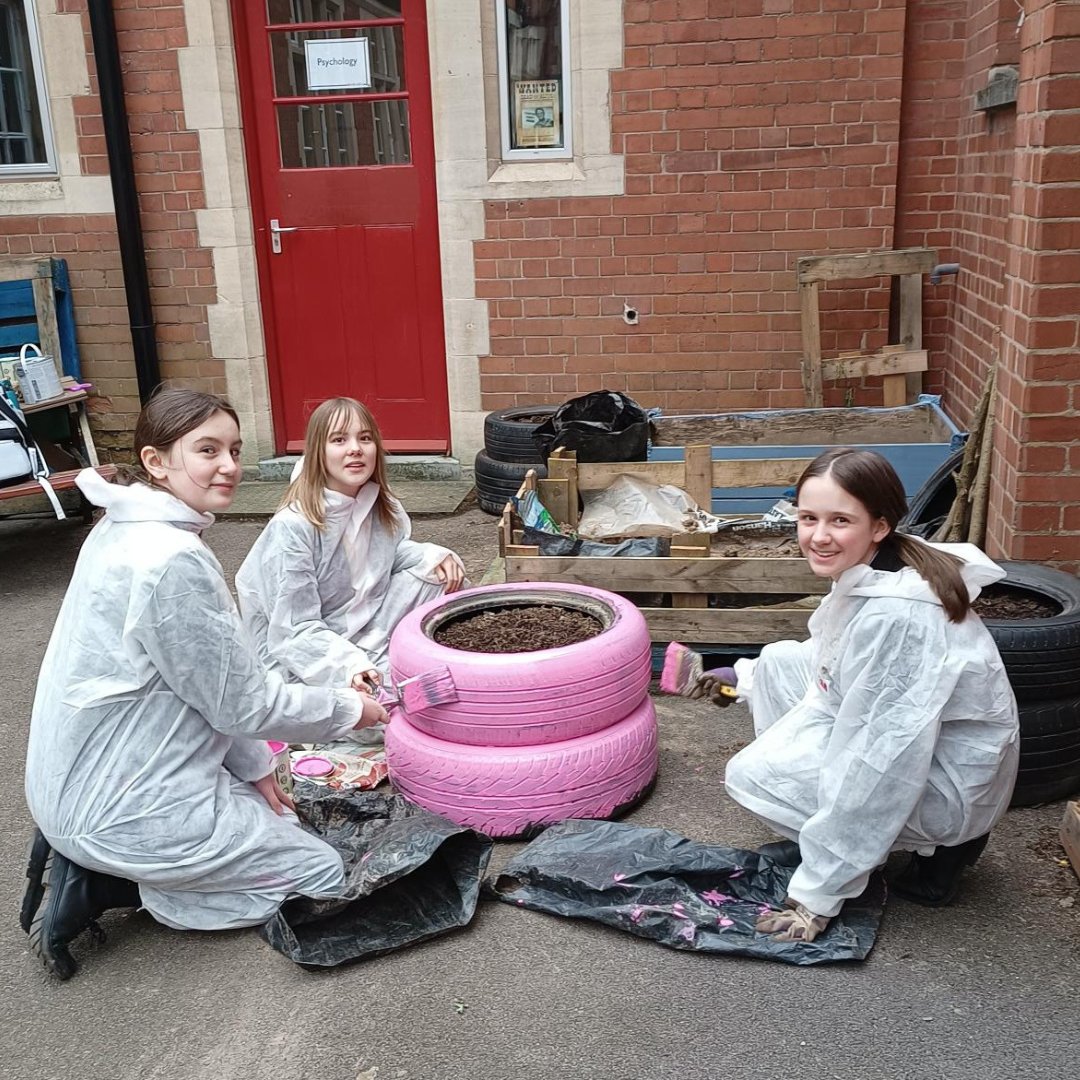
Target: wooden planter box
690,574
915,439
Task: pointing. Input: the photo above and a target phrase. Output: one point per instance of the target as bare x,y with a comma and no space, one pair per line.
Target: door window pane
302,11
23,141
338,134
534,74
385,60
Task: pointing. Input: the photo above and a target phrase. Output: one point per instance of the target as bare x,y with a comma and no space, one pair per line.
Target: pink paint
313,766
617,877
724,922
637,915
688,931
277,747
715,898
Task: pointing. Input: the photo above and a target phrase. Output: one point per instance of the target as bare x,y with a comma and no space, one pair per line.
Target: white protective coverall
891,729
150,721
321,605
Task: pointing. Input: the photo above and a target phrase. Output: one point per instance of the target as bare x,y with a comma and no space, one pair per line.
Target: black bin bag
409,876
601,426
683,894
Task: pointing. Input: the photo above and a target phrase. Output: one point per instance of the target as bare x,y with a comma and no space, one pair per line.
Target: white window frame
555,153
37,58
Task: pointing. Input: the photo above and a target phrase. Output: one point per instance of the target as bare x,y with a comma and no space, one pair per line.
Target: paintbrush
434,687
682,669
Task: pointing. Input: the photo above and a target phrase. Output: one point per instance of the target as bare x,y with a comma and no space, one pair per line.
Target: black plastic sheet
634,548
409,876
684,894
602,426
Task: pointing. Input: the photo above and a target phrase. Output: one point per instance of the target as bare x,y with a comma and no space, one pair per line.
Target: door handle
275,234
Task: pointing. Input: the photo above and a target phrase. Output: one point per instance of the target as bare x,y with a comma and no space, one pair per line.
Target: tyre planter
508,433
930,505
508,791
498,481
1049,752
528,698
1042,656
533,737
1042,659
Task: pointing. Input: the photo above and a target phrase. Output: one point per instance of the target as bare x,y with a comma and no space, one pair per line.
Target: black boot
35,890
73,900
933,880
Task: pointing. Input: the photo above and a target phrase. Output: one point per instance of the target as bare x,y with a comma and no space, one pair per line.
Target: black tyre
935,497
508,433
1041,656
498,481
1049,752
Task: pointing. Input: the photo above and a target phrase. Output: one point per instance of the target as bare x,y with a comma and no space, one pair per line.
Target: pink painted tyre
510,791
528,698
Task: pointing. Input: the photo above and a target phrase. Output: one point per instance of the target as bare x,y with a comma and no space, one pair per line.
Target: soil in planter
755,545
526,628
1003,602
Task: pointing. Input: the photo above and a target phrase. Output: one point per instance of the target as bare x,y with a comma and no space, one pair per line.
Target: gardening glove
792,923
716,684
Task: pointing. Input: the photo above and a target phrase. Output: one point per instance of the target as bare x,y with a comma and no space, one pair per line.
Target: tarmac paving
983,990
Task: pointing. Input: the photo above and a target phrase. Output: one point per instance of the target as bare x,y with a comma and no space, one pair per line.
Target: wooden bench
60,481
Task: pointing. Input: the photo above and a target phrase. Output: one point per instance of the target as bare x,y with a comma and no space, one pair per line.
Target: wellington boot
934,880
73,899
35,888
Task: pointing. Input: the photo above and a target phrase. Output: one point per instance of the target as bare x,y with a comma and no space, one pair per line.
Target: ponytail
940,570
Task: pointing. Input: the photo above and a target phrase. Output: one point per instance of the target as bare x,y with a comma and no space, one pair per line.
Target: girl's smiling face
202,468
351,454
836,532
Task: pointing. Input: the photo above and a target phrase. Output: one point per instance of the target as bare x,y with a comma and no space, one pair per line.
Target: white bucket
38,380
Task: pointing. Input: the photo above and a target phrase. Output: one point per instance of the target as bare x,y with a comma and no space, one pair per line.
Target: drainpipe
125,197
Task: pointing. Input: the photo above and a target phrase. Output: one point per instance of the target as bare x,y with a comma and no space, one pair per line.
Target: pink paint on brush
682,669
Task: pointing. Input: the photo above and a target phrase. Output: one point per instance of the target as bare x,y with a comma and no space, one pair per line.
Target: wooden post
911,322
811,341
697,483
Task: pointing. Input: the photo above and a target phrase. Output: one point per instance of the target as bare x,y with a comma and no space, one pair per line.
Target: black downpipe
125,197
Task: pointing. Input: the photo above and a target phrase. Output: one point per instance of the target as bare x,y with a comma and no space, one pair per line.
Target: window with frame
25,133
534,78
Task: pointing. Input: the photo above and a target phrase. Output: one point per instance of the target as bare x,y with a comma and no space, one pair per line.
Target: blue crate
931,436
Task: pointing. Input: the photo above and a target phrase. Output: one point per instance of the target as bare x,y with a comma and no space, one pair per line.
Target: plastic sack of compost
686,895
602,426
409,876
629,506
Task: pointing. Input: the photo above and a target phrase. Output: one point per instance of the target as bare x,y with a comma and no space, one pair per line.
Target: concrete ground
984,990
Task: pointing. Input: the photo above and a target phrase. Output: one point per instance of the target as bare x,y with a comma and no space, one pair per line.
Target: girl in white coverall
334,571
894,727
148,772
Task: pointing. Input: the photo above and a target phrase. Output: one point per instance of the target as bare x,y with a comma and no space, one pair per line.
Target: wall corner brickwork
1035,507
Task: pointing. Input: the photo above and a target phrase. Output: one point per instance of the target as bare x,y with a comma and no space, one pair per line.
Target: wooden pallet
896,364
690,574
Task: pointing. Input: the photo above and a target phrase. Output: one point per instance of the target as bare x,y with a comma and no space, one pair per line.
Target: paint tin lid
277,747
313,765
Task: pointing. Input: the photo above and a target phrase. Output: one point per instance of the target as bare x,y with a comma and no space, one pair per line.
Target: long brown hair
868,477
171,413
306,493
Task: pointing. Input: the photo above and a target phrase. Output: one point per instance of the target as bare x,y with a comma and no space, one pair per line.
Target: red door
337,124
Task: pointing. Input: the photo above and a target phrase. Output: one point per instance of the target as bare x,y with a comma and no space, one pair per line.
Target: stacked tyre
1042,659
509,453
533,737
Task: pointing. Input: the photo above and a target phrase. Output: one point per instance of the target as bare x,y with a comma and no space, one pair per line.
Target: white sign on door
340,64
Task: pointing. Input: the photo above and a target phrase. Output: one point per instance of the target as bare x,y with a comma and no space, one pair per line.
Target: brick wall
170,186
1035,506
956,167
753,131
